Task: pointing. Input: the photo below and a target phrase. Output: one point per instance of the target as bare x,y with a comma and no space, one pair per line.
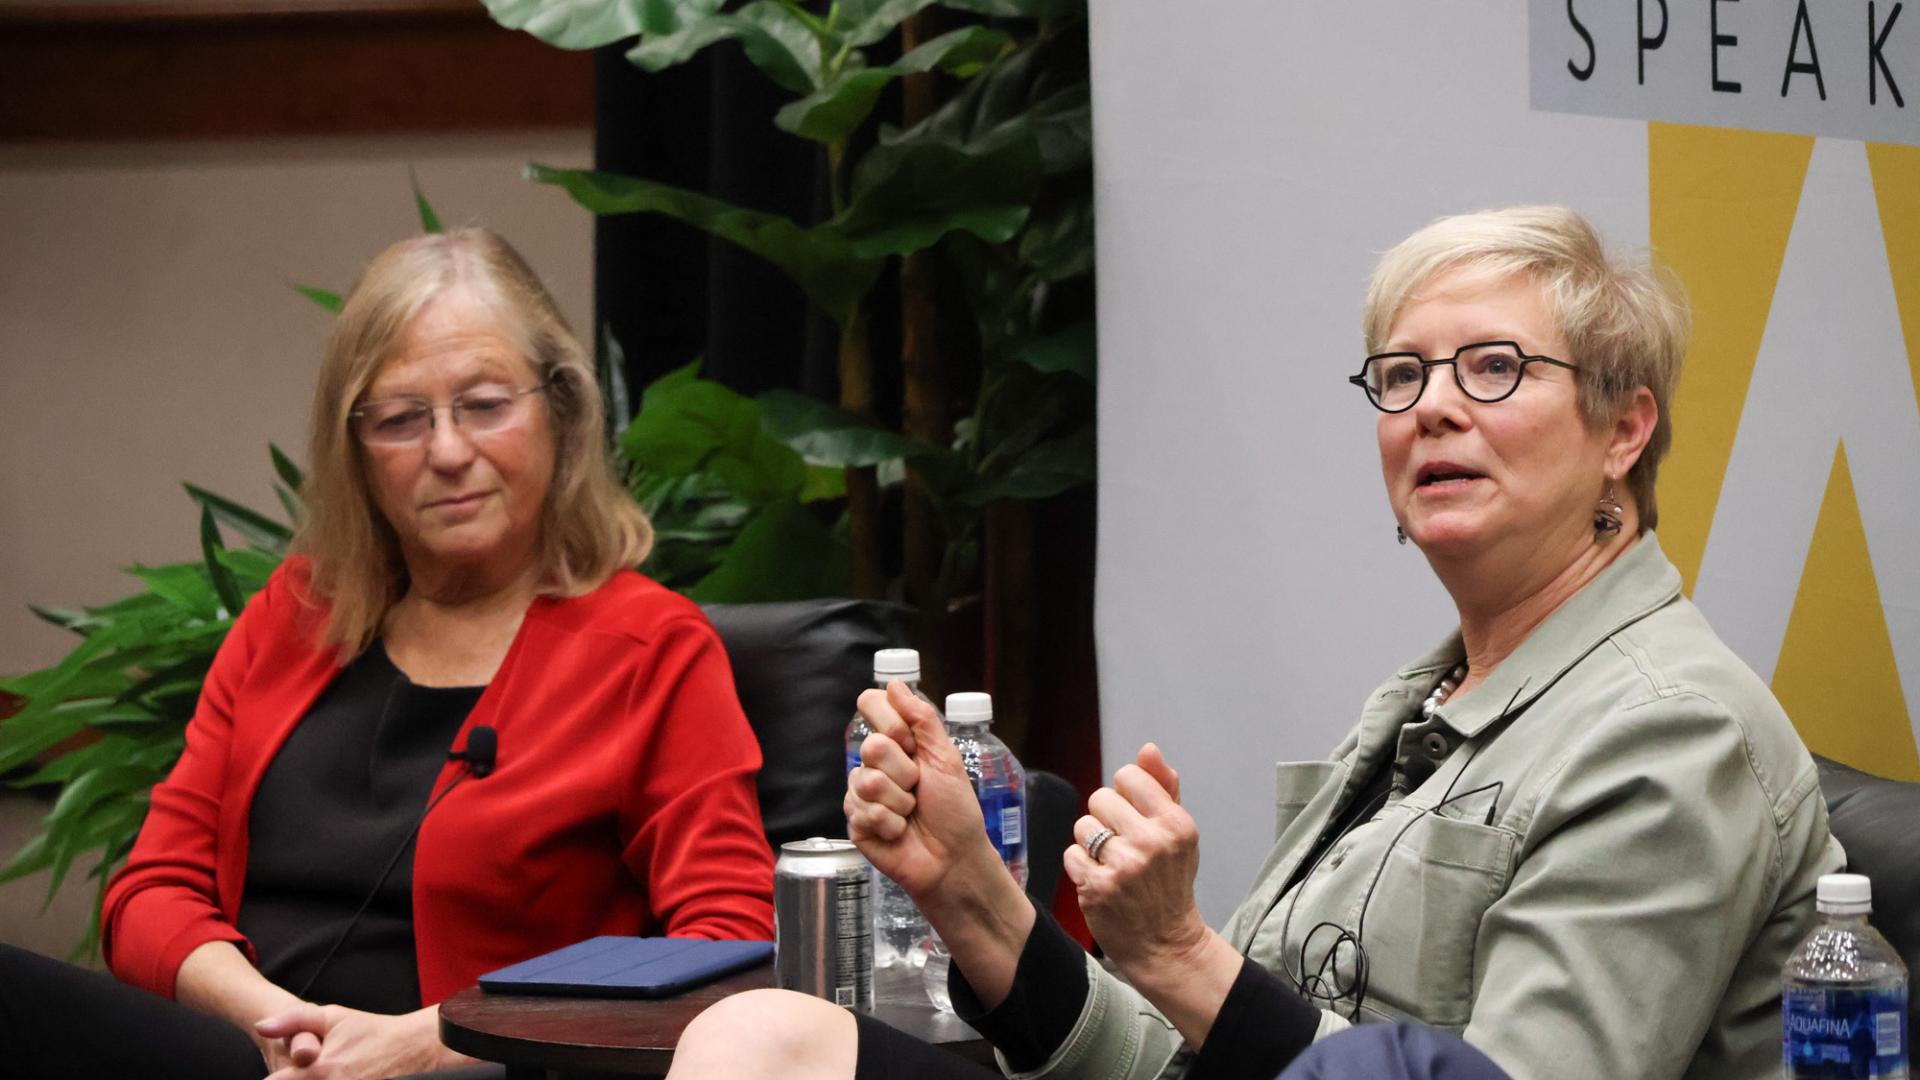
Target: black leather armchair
798,667
1878,822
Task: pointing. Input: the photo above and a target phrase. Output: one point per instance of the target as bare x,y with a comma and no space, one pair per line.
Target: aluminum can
823,921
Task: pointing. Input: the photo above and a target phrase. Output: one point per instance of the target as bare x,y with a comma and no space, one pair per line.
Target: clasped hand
1138,897
312,1042
910,806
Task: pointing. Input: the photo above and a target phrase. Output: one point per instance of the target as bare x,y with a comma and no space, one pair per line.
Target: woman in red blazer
316,870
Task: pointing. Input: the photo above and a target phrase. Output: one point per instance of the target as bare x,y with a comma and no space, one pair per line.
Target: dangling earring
1606,514
1401,533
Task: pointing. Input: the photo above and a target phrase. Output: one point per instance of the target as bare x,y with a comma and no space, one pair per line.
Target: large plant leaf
688,424
252,524
1070,350
154,755
1058,242
1063,124
331,301
77,675
1048,469
832,112
825,483
784,553
587,24
1015,9
224,585
64,618
973,165
827,435
694,519
863,22
91,787
1025,407
910,192
184,585
775,38
251,566
188,672
103,821
283,465
820,260
33,730
429,221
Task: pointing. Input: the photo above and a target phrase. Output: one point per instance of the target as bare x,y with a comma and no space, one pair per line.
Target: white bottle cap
896,664
969,707
1846,894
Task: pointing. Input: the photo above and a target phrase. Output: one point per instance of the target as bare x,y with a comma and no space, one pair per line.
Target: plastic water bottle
898,926
1001,786
1844,993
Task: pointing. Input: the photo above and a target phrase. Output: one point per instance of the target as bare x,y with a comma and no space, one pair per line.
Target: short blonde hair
590,526
1625,321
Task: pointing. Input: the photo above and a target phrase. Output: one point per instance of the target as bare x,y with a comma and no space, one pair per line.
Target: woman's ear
1631,431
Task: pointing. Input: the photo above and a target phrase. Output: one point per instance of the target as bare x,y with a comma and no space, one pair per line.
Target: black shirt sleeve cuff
1261,1027
1049,990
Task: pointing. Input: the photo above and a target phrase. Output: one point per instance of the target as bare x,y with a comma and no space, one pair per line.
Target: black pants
57,1020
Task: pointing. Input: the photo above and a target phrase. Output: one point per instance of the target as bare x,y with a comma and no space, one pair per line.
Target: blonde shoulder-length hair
590,527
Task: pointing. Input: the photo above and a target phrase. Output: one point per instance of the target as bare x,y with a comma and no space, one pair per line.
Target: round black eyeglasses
1486,371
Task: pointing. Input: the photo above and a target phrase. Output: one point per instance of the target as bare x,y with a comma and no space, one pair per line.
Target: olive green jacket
1602,878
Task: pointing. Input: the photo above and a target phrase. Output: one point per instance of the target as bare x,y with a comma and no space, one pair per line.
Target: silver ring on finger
1096,842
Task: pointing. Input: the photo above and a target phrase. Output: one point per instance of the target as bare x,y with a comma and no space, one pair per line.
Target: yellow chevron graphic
1722,206
1837,677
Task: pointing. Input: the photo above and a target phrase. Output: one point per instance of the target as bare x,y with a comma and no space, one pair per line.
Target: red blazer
622,800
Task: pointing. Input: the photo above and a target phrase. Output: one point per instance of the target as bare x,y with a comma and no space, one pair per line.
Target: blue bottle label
1844,1034
1005,812
853,758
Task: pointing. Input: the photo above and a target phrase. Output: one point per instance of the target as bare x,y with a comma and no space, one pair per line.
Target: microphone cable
479,762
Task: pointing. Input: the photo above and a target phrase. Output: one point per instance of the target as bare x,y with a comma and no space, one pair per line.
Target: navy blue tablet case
627,967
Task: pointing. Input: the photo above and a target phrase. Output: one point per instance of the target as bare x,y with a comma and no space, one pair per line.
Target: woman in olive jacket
1580,833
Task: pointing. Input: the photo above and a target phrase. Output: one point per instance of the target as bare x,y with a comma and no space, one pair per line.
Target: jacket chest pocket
1413,892
1423,919
1300,785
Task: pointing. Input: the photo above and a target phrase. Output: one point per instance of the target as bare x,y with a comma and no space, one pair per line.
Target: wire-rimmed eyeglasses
481,411
1486,371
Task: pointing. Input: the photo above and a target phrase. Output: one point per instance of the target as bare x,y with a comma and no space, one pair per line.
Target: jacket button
1435,744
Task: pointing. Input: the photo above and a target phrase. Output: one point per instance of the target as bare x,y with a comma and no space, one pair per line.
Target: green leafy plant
978,194
108,721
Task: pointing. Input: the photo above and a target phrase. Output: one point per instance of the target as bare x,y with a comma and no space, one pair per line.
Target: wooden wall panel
216,69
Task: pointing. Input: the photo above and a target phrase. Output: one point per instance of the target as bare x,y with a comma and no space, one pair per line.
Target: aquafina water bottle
1843,996
898,926
1001,786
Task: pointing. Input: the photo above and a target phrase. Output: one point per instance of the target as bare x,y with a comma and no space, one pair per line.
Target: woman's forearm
983,917
1188,986
217,979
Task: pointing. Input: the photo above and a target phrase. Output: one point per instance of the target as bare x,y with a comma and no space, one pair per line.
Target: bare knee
768,1033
